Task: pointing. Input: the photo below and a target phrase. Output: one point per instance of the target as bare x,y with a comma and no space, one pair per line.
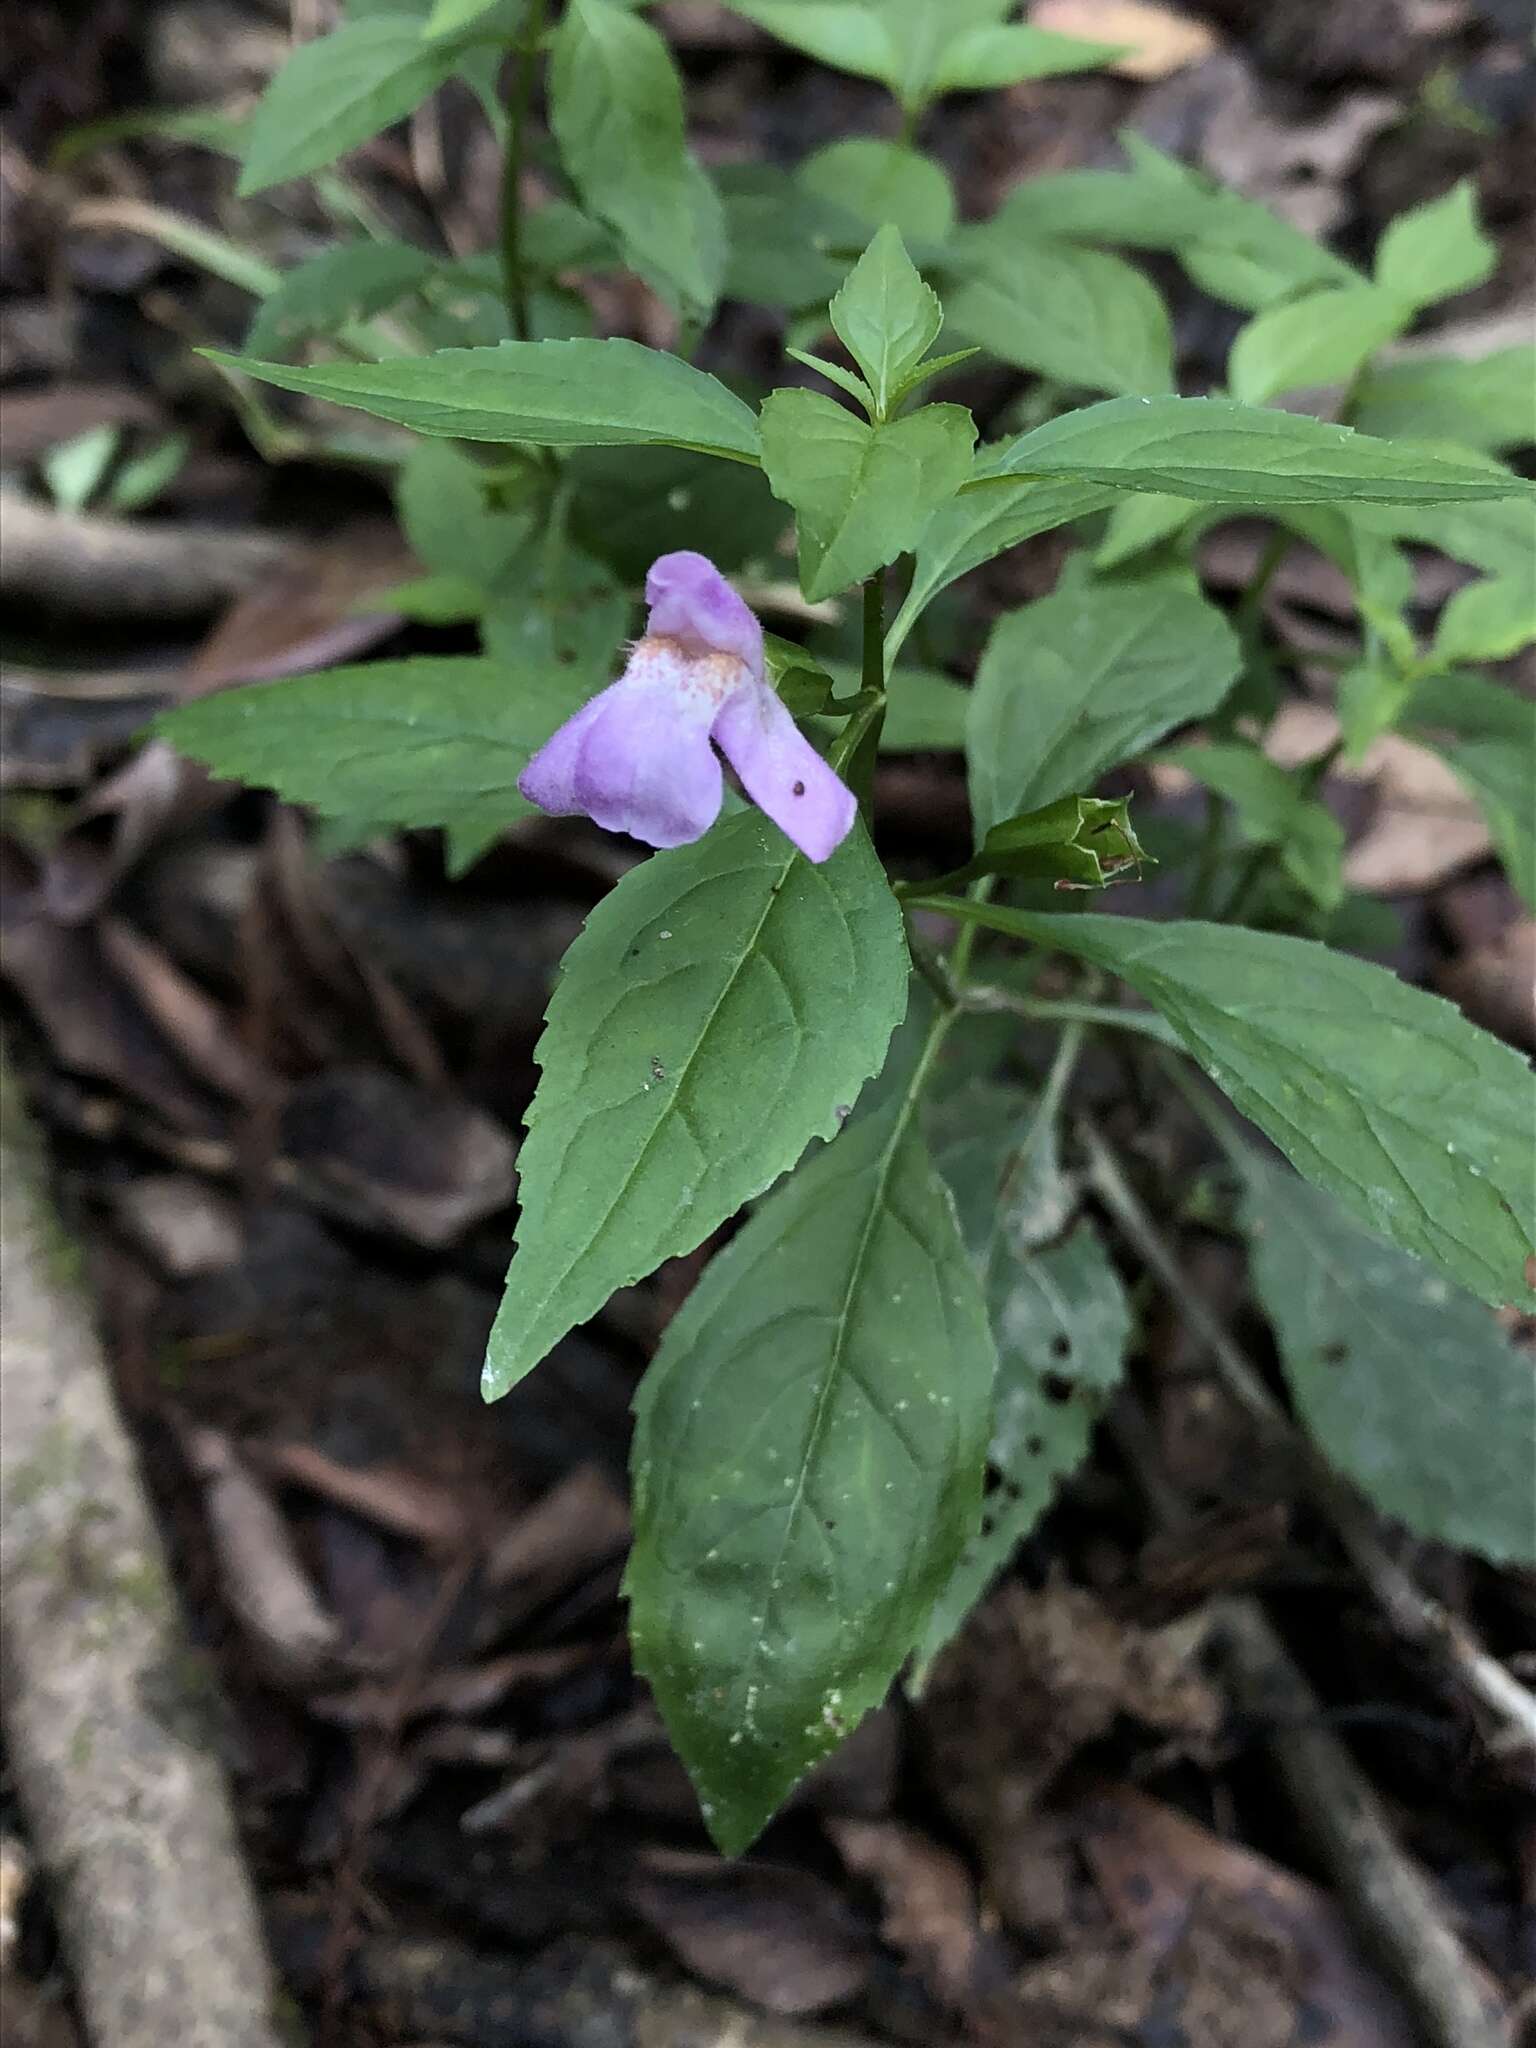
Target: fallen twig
1394,1908
1421,1619
105,1712
116,568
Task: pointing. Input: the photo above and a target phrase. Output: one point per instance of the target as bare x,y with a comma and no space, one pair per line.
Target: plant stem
861,759
1044,1010
1251,608
1208,865
514,281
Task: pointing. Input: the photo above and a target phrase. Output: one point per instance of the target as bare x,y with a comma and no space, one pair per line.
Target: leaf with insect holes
723,1007
861,494
1365,1113
1407,1383
886,317
1062,1324
556,394
807,1465
1077,682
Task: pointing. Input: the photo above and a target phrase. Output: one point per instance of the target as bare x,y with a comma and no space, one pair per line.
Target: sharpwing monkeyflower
640,758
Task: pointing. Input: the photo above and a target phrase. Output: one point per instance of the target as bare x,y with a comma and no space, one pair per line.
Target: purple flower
639,757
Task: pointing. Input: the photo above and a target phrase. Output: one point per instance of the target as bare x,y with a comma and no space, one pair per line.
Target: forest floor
281,1095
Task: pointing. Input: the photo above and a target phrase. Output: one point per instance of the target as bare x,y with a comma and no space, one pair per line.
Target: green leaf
1233,247
1499,769
886,317
1406,1383
436,740
74,470
349,282
1437,250
1320,339
449,16
1487,404
981,59
1489,620
630,505
724,974
339,90
974,527
807,1464
440,496
1139,524
920,50
1503,780
861,494
1229,454
1370,696
1419,1123
788,245
1060,1319
141,478
1061,1323
574,622
1273,810
925,709
1078,842
1497,536
1077,315
438,600
616,106
1079,681
848,34
556,394
883,184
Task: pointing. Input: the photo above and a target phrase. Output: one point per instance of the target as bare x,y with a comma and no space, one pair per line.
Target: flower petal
782,772
637,759
691,602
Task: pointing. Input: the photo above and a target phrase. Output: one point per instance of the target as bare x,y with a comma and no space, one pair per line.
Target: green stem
861,757
525,59
1251,609
1208,866
1246,885
1045,1010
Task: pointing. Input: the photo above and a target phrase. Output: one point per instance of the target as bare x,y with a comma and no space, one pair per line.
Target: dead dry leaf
297,1641
185,1226
781,1937
1034,1677
1426,826
1157,1871
1495,983
928,1898
1157,41
379,1151
406,1503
